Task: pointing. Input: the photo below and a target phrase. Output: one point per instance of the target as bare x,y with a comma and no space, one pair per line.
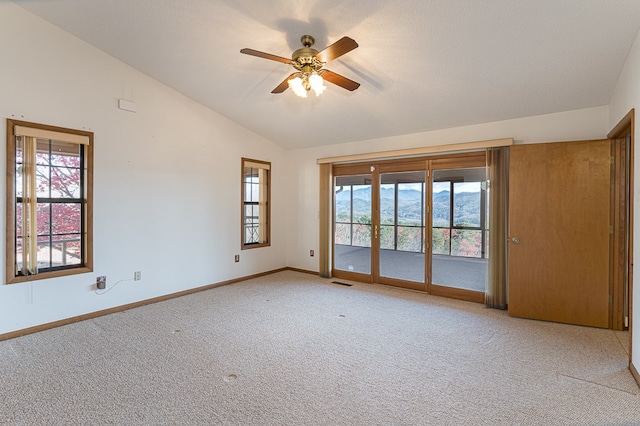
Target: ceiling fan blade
339,80
265,56
339,48
284,85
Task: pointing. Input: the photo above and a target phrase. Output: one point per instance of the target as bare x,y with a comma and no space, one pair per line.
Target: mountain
410,208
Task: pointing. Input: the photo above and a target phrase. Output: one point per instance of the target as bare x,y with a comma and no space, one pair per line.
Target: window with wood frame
49,201
256,188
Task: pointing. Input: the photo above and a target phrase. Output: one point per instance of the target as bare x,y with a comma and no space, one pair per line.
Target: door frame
622,237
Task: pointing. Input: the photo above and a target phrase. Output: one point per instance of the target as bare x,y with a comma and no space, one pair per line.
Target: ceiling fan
309,64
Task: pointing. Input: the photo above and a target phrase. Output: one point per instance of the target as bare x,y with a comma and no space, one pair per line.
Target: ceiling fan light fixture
317,83
297,85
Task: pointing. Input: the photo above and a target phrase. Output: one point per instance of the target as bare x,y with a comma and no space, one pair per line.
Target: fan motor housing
307,54
304,55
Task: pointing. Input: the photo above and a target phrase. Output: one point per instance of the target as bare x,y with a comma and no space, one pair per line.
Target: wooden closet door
559,204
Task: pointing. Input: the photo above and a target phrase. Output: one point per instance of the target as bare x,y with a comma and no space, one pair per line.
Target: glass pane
410,238
19,252
42,151
251,191
361,204
251,223
352,227
250,174
44,254
66,250
387,237
343,233
441,241
18,219
255,191
66,218
466,204
65,154
19,149
402,198
460,272
402,265
410,204
466,242
42,181
361,235
65,161
343,203
19,180
457,250
43,218
352,259
42,158
65,182
441,203
251,233
251,211
387,204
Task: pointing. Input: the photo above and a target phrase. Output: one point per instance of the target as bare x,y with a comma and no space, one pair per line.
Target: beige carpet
293,349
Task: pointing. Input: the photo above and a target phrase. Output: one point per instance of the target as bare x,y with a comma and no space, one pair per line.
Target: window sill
252,246
46,275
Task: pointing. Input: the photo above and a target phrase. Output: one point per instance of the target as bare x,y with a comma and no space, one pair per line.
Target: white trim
412,152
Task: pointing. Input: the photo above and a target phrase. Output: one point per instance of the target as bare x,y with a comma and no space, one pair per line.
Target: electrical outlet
101,282
237,258
137,275
311,253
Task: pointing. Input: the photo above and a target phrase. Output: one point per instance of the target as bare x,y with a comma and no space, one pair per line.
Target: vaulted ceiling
423,65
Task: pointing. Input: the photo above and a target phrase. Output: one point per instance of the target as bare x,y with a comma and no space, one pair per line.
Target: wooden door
559,232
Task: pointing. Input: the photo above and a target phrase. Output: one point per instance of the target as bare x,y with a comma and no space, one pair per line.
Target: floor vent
338,282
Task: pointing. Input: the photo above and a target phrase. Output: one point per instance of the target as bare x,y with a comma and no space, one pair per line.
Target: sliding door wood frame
325,181
338,170
470,160
400,166
623,238
438,161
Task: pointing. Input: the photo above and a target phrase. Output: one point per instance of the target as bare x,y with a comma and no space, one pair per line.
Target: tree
59,211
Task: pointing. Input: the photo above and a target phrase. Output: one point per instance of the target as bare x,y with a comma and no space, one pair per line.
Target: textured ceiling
423,65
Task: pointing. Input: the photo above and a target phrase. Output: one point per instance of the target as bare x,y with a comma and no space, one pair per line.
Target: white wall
625,97
167,178
592,123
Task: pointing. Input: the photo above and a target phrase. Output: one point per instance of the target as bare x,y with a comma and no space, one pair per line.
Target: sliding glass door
419,224
353,225
459,231
402,224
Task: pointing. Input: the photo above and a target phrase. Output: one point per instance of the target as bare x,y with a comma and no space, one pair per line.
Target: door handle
515,240
375,232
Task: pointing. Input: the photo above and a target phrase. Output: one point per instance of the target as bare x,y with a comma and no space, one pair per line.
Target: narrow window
49,199
255,203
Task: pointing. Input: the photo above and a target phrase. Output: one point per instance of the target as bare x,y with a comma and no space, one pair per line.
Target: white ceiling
423,65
